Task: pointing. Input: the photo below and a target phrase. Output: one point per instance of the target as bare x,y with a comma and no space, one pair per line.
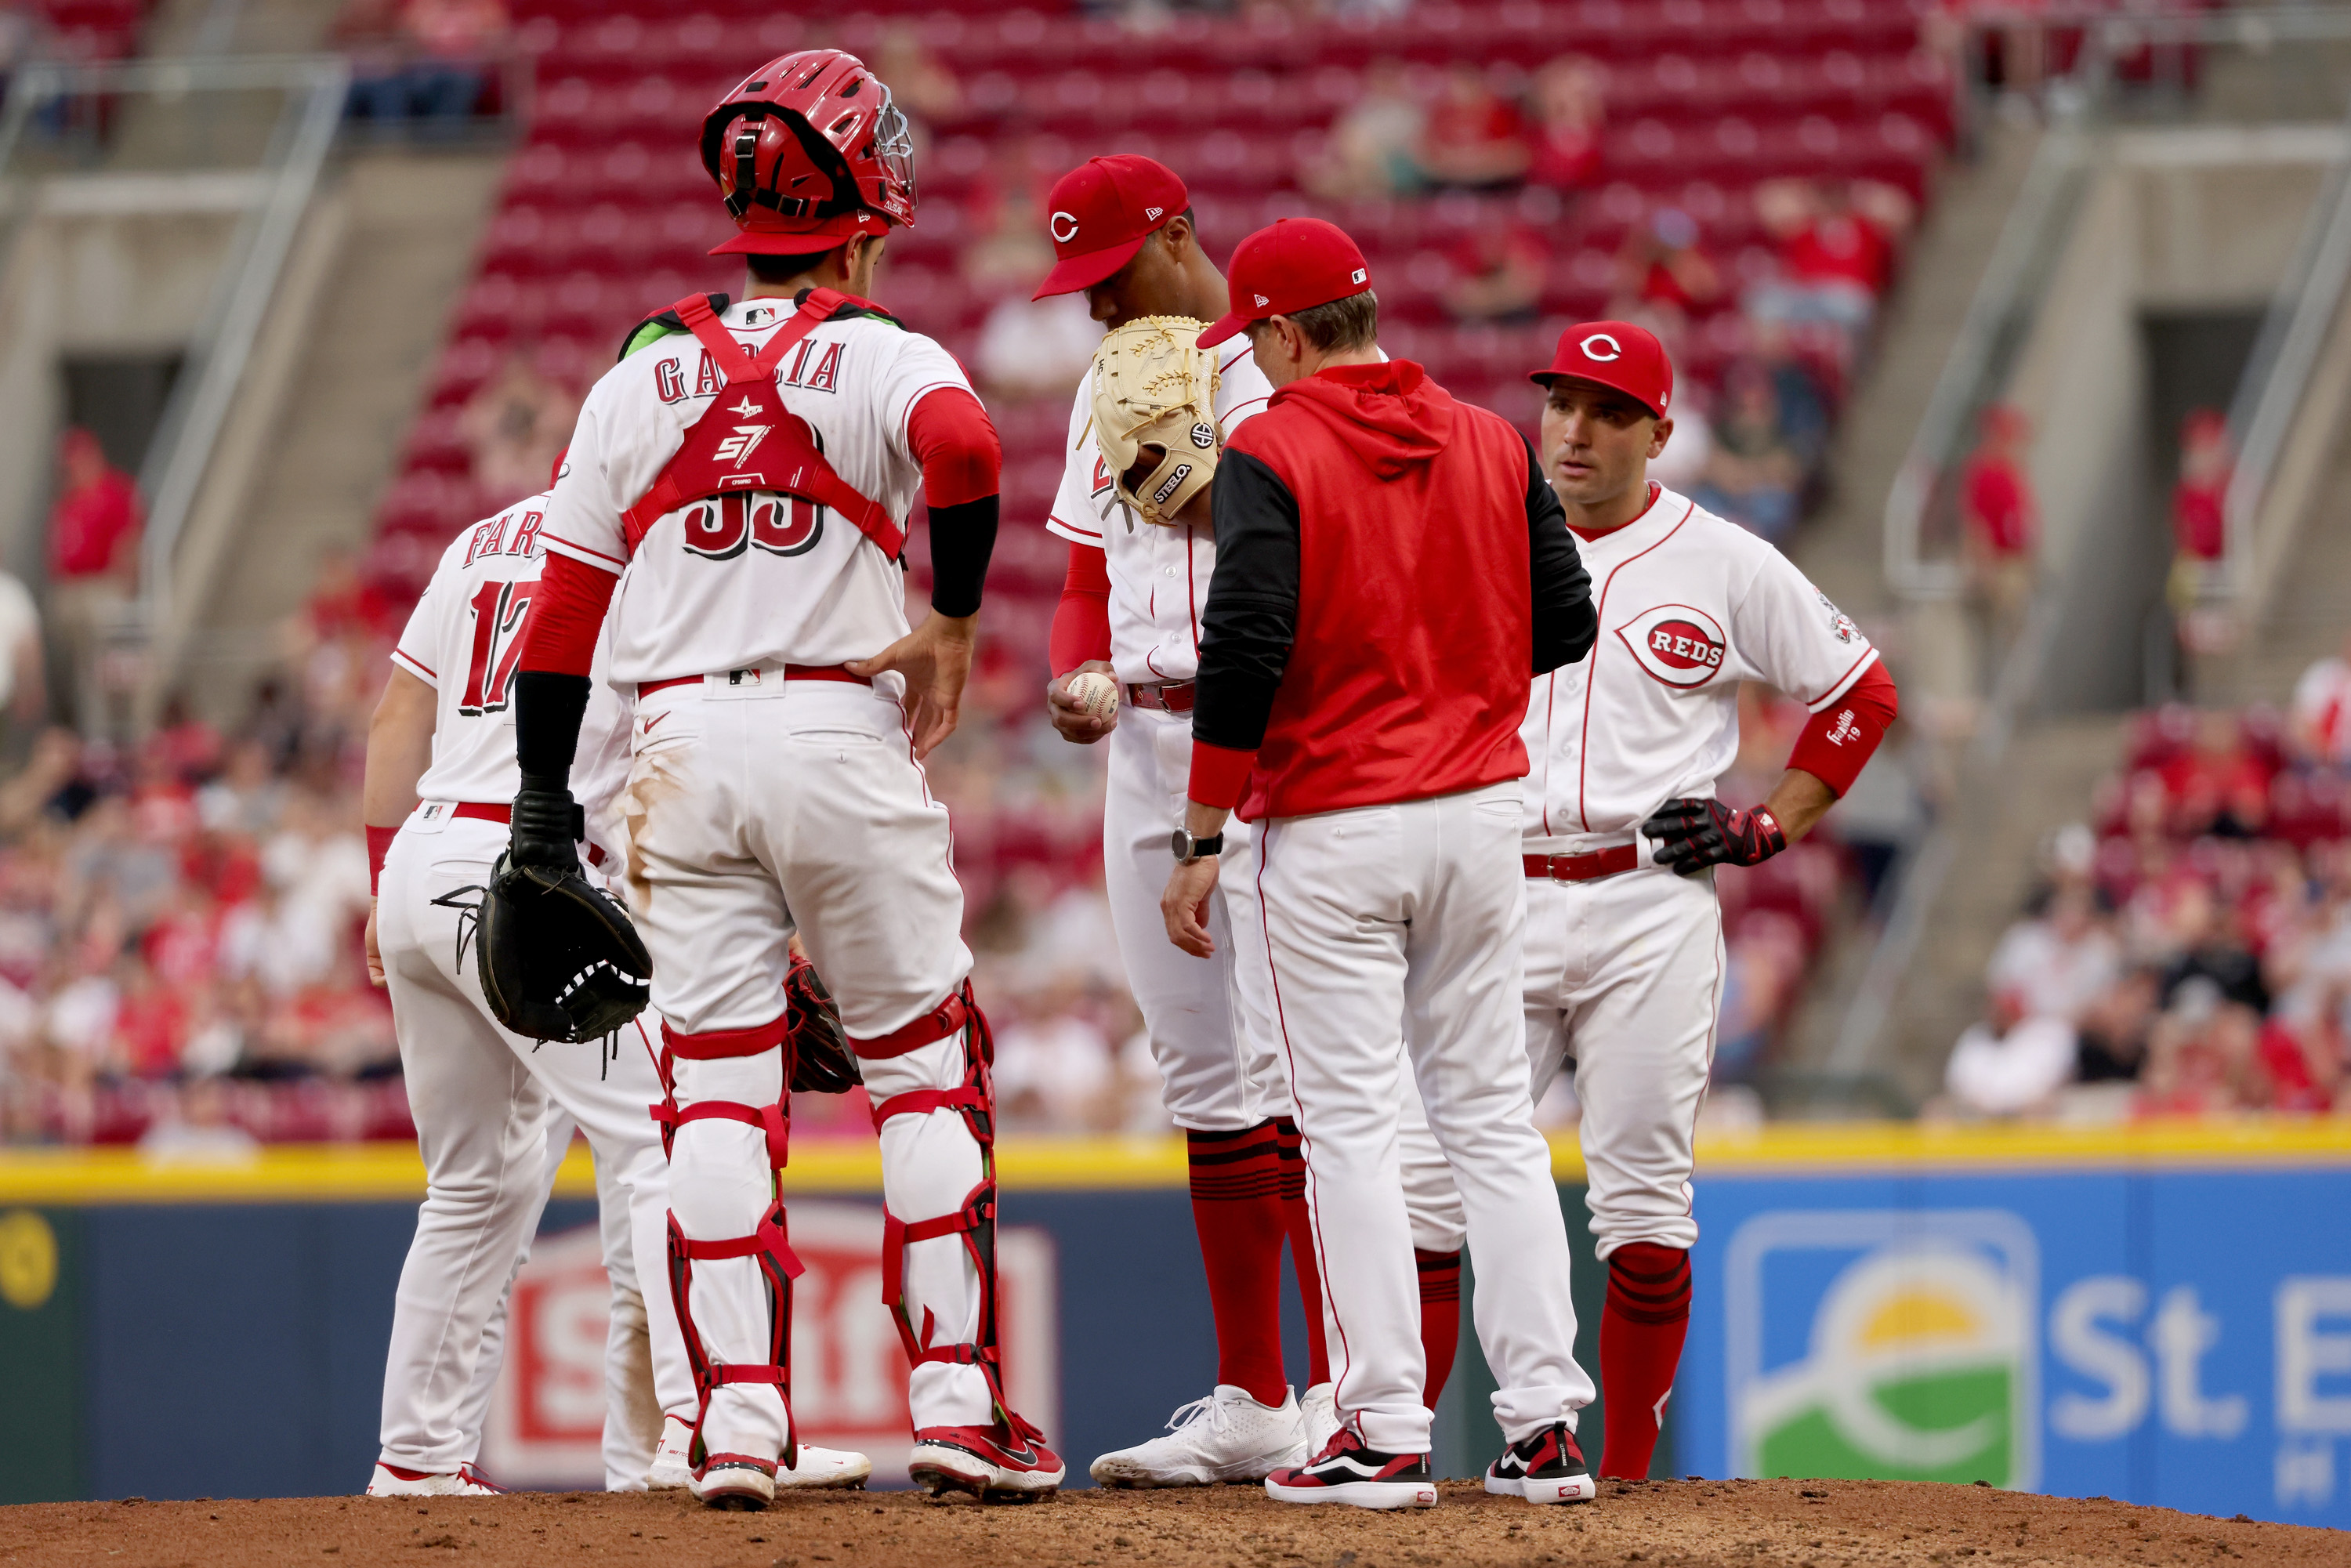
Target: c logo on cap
1615,348
1059,237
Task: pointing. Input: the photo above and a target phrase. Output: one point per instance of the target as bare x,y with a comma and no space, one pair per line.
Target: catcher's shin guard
769,1242
974,1221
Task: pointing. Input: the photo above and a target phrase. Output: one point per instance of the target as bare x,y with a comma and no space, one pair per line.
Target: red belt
482,811
1584,867
791,673
1162,696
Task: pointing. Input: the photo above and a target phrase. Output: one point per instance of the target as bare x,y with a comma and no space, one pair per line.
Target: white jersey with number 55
748,579
464,640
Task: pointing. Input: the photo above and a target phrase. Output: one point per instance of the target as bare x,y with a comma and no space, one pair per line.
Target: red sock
1302,1249
1641,1331
1238,1209
1440,1317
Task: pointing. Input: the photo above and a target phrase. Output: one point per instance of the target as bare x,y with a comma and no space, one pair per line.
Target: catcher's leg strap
774,1121
937,1024
974,1221
772,1247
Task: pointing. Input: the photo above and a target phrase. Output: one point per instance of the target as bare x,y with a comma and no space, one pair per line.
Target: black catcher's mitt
822,1063
558,959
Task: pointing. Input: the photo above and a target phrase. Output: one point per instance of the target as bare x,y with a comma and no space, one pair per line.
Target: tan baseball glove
1155,387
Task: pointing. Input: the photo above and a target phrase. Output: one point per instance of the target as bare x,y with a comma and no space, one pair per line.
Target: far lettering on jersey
490,537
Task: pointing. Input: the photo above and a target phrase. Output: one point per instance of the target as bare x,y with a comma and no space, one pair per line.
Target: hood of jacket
1390,416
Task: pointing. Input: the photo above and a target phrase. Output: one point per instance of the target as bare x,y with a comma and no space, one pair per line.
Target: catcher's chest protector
747,442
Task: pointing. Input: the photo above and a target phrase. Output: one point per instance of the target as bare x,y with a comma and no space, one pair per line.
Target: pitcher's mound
1658,1524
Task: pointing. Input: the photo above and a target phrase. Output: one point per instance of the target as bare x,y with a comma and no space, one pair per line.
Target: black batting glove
1693,835
548,826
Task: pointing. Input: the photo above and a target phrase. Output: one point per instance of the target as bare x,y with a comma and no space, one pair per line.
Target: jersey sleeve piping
929,387
1844,681
1073,533
1246,403
583,554
409,662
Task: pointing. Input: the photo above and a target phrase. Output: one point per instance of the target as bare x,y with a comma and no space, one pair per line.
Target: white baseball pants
1393,932
481,1098
1210,1024
1624,983
756,806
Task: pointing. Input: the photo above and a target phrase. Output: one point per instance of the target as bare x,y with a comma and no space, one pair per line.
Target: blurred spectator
1371,146
1036,347
1497,274
1681,468
919,83
1571,111
2321,714
1474,138
1999,537
422,60
2201,1058
94,531
2057,965
1884,815
515,427
1753,478
2113,1030
2198,525
1660,263
2009,1065
1833,260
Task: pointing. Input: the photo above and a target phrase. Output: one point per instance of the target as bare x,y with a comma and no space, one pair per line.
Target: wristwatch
1190,849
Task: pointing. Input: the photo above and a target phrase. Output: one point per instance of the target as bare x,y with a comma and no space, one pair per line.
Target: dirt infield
1816,1525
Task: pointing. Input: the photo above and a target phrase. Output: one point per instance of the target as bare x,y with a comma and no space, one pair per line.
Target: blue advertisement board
2179,1337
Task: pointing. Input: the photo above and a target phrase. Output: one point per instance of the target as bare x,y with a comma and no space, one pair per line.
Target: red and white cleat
1008,1462
736,1480
391,1480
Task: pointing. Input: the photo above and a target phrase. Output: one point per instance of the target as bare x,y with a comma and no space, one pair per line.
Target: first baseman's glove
1693,835
1153,385
557,958
822,1063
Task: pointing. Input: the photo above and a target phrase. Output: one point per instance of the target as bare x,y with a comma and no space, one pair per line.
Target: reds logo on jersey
1677,645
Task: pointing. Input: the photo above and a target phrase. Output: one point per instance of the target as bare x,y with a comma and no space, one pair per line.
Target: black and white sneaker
1546,1466
1347,1471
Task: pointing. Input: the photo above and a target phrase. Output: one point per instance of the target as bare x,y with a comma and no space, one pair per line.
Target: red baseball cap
1614,354
1102,212
1292,265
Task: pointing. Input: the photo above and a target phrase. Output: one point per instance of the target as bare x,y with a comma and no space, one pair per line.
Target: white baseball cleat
1227,1436
824,1469
390,1480
1318,1407
674,1459
741,1482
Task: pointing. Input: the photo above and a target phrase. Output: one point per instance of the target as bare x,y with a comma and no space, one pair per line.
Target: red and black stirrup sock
1641,1330
1441,1316
1302,1249
1236,1209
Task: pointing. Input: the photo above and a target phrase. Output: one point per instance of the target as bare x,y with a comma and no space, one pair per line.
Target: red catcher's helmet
809,152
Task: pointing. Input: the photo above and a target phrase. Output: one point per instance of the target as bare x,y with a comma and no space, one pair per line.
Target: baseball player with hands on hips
1391,567
1624,931
734,508
440,770
1144,432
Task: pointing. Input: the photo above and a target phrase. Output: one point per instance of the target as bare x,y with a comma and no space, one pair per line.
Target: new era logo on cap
1153,212
1261,299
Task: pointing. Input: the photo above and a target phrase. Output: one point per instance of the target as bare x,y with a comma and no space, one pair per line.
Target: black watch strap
1187,849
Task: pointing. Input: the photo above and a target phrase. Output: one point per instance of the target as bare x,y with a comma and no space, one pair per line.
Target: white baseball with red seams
482,1096
1624,972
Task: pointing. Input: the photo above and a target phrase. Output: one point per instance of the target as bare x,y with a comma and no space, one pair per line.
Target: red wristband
378,845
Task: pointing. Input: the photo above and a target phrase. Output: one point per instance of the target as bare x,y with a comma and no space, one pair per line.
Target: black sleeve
962,537
1565,623
1252,611
548,708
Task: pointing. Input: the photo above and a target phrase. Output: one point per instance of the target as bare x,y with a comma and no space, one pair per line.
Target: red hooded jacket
1390,569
